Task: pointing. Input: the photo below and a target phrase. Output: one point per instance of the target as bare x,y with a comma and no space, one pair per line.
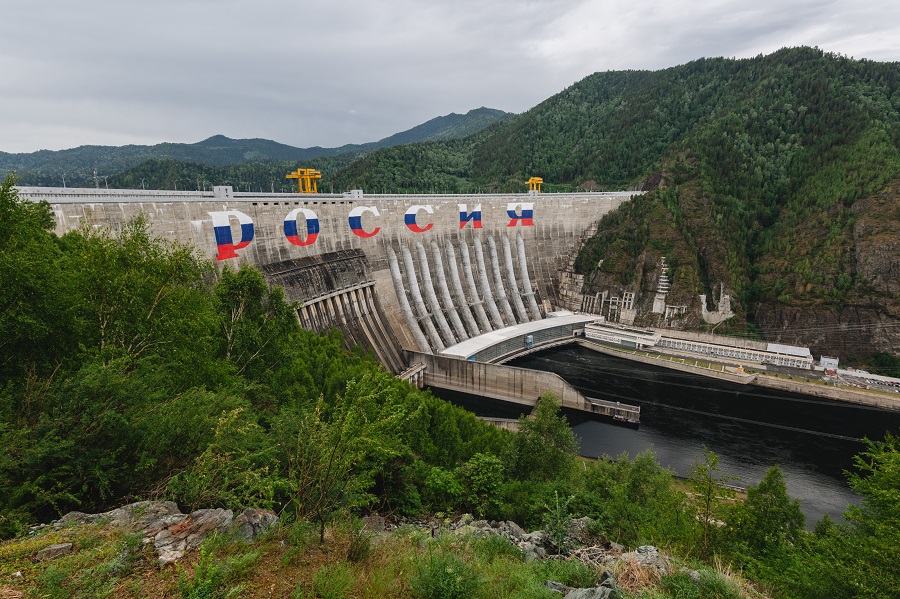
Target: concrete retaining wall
742,379
507,383
802,387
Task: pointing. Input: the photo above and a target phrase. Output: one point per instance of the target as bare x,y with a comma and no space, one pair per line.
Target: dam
393,272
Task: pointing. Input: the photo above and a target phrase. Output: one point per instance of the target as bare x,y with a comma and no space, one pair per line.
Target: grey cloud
350,71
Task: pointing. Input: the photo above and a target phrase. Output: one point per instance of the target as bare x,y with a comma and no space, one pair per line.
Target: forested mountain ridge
78,165
786,194
772,178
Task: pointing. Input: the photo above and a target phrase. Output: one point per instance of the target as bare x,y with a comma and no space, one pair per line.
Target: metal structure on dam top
421,272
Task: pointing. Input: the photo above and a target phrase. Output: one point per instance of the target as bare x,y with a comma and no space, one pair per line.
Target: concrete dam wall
421,272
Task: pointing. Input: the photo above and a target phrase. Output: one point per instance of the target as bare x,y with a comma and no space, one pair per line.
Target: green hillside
773,178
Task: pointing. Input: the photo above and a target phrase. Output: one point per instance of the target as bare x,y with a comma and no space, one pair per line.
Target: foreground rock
172,533
649,556
607,588
53,551
174,541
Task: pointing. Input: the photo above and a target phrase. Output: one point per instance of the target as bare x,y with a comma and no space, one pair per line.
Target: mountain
78,165
452,126
774,180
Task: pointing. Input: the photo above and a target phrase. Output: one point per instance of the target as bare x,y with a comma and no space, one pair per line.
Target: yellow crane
534,184
307,179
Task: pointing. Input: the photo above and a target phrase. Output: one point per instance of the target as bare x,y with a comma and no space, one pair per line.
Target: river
750,428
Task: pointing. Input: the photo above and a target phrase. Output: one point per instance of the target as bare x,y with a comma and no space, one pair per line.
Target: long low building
774,353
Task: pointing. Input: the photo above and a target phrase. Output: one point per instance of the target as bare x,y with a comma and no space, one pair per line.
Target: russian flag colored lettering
222,226
356,221
410,218
527,216
291,231
466,216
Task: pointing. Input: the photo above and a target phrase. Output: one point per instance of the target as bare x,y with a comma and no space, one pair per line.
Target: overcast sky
332,72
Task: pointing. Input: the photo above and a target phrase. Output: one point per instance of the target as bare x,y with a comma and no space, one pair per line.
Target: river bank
751,375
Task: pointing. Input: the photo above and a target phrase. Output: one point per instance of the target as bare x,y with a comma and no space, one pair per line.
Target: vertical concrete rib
395,363
458,327
526,280
515,292
414,327
462,306
425,318
366,326
487,292
431,296
498,282
477,303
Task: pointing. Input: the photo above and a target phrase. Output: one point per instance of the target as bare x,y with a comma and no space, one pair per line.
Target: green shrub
332,581
215,577
572,573
482,477
360,546
444,576
557,521
714,585
491,547
52,581
680,586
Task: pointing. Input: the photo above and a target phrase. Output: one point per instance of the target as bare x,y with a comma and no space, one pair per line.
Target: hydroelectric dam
406,276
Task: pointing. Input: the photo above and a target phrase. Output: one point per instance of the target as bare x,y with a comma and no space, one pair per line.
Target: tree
876,522
255,321
544,448
332,451
709,490
481,478
138,295
634,500
35,317
768,519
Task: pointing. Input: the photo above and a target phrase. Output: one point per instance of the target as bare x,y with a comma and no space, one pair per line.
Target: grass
292,563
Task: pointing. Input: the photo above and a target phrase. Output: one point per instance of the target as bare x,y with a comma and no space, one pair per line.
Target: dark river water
750,428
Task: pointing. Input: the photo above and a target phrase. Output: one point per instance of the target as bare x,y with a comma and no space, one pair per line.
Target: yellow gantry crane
534,184
307,179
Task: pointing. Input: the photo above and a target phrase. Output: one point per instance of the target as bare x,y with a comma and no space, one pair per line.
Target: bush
557,521
444,576
214,577
712,585
572,573
491,547
360,546
482,477
331,582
